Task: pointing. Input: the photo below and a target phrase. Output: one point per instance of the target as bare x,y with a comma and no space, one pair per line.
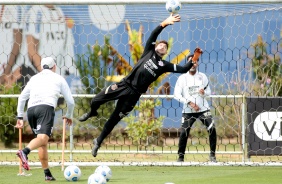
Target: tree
144,127
8,111
94,67
267,68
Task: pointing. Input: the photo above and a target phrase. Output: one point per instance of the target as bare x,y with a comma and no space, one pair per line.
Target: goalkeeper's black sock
47,172
26,150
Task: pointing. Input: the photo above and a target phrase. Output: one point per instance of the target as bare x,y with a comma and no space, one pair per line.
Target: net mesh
96,44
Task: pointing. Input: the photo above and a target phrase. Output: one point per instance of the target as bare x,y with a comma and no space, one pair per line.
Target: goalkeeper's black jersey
151,66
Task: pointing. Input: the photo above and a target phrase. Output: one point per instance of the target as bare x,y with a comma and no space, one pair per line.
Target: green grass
159,175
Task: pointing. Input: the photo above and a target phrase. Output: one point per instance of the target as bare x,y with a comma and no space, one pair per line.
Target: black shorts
41,119
115,91
190,118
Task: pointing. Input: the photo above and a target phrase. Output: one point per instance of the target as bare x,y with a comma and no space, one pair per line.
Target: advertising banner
264,128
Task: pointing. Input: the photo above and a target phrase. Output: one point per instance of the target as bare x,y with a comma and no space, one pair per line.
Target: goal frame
242,152
118,2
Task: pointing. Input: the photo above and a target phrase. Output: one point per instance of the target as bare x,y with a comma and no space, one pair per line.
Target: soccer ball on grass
173,6
96,178
105,171
72,173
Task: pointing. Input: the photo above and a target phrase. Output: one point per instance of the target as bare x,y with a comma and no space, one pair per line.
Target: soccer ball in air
96,178
173,6
105,171
72,173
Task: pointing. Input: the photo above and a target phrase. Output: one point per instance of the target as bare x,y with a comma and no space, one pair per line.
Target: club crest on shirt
200,77
114,87
38,127
161,63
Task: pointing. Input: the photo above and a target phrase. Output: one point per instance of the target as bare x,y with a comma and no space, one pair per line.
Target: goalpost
238,38
124,2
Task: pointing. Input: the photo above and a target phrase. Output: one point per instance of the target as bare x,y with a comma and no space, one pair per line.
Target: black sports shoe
23,159
212,158
95,148
180,158
49,178
88,115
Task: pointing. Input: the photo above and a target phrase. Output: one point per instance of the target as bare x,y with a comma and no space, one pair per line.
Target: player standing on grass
191,89
43,91
128,91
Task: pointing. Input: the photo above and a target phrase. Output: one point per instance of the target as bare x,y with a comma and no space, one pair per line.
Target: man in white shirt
43,91
191,89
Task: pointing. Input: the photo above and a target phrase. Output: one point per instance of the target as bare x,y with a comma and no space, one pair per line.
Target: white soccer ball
72,173
173,6
96,178
105,171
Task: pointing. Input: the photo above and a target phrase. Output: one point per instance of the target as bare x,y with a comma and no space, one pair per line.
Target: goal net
96,44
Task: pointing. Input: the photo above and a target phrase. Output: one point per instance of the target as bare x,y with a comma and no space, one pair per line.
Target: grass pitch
158,175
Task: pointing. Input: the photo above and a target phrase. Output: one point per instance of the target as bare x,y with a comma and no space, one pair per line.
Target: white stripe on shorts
107,90
211,125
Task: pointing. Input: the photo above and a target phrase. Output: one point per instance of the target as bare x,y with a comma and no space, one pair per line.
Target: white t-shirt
45,88
48,25
11,18
187,90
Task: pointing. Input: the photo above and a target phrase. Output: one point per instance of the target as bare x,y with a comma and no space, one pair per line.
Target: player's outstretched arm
171,20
